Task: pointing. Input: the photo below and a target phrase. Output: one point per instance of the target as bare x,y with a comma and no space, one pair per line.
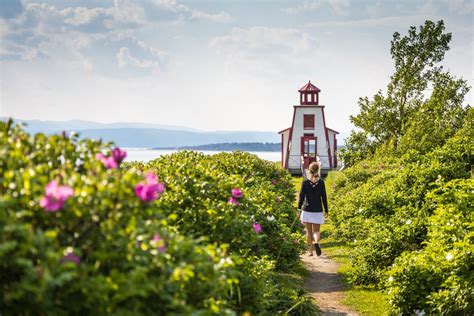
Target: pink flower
113,161
277,200
274,182
257,227
71,257
118,155
109,162
236,193
55,196
234,201
151,189
158,242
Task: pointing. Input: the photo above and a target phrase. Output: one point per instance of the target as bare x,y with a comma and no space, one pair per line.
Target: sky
210,64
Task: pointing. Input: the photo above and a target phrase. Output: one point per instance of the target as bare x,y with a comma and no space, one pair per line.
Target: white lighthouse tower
308,139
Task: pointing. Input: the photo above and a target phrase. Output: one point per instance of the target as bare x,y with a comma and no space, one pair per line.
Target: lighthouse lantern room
308,139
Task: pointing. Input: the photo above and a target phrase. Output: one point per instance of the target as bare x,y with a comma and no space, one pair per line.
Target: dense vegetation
232,147
405,202
83,233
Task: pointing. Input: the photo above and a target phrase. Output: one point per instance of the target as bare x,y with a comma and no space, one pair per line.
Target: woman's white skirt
312,217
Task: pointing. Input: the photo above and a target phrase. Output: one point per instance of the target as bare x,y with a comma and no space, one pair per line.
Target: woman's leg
317,233
309,237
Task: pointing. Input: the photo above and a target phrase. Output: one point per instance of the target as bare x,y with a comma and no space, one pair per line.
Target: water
141,154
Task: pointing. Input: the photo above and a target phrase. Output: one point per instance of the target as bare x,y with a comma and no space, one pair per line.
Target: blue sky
213,64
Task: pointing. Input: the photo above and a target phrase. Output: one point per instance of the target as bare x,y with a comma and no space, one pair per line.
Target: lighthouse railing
296,162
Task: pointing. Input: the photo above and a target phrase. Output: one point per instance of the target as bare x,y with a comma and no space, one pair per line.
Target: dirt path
325,285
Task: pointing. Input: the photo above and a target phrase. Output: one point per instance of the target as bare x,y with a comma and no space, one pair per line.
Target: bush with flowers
383,208
244,202
84,233
438,279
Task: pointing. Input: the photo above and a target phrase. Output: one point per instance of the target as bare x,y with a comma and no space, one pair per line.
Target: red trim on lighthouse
282,138
309,87
330,129
290,138
327,140
284,130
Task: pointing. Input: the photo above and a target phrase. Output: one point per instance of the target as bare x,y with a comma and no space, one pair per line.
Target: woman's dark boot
317,249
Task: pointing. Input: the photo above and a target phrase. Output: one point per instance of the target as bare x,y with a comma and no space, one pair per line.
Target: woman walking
310,205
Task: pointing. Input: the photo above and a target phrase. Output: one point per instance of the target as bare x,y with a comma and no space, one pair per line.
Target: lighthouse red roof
309,87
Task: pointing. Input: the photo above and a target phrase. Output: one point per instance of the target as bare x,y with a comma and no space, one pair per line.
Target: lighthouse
308,138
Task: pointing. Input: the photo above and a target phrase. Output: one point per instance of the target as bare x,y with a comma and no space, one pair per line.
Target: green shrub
379,205
105,230
197,204
106,251
438,279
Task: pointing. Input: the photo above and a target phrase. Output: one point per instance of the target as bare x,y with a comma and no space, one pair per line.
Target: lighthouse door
308,150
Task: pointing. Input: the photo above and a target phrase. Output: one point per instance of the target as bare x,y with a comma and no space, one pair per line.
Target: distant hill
231,147
137,135
39,126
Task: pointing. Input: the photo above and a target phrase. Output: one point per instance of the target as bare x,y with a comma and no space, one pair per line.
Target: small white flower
449,256
390,279
224,262
408,222
419,313
271,218
361,210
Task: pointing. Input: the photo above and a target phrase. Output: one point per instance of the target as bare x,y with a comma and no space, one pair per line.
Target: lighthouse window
308,121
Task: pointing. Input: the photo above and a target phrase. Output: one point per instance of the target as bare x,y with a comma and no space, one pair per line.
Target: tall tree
415,58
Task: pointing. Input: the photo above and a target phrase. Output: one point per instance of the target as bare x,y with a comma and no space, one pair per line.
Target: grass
366,301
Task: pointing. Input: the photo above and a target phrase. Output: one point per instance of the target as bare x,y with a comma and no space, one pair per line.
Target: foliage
403,119
358,147
386,206
438,279
379,205
196,203
105,251
438,118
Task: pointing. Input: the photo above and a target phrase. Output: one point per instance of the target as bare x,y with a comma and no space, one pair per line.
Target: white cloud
192,14
80,37
339,7
81,15
263,40
372,22
124,58
265,50
217,17
171,5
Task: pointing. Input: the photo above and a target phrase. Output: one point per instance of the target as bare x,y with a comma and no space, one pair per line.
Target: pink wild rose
109,162
257,227
118,155
236,193
151,189
114,159
55,196
234,201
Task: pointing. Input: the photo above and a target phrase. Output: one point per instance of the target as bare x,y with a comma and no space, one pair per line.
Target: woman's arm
302,194
324,198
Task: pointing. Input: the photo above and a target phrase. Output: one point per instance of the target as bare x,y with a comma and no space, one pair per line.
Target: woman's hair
314,170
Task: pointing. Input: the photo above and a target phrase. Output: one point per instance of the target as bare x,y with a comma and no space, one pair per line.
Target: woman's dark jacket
313,196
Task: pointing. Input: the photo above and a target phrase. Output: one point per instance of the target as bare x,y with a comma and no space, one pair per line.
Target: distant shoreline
255,147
